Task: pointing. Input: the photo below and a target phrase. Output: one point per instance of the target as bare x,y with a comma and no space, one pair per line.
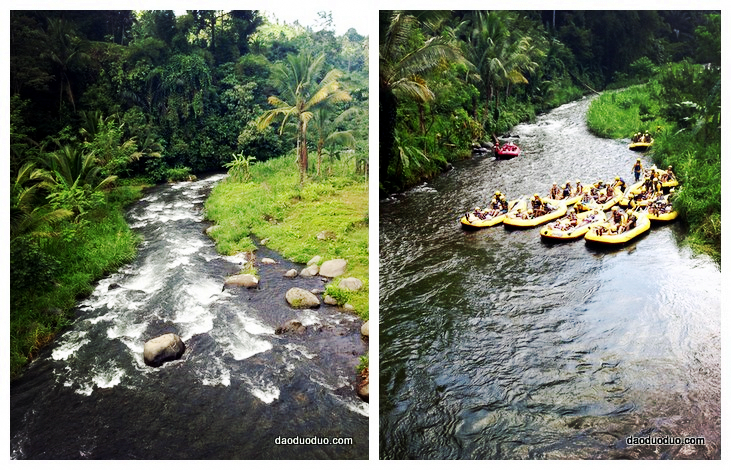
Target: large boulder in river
333,268
167,347
242,280
365,329
315,260
300,298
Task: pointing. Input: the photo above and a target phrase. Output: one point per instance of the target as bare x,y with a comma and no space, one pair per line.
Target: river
240,391
496,345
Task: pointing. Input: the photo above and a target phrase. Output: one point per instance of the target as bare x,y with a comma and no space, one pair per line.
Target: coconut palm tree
300,95
500,59
404,61
328,136
67,52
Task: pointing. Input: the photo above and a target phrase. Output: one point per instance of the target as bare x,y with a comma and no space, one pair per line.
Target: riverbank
71,262
326,217
618,115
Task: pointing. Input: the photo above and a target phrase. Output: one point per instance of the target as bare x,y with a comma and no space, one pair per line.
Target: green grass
620,114
273,205
78,257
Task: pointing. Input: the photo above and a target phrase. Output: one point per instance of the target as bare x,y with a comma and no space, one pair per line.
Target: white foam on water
86,390
359,407
71,342
241,345
238,258
309,317
192,324
129,330
266,392
255,327
322,383
150,278
180,261
108,378
136,346
206,291
215,374
179,215
300,350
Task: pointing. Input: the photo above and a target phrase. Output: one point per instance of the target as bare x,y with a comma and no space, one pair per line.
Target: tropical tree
500,59
67,52
300,95
404,60
329,134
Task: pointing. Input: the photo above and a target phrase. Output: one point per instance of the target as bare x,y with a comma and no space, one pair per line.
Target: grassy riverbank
49,275
274,206
695,157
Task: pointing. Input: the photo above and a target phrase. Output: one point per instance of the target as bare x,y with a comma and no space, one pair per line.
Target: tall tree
404,60
67,52
300,95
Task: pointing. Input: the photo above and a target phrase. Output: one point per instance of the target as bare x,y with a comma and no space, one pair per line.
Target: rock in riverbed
291,326
167,347
300,298
309,271
351,283
364,329
333,268
242,280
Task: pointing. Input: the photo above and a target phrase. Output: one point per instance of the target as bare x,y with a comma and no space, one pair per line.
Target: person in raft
538,206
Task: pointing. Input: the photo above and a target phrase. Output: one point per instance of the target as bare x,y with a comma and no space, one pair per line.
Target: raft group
604,213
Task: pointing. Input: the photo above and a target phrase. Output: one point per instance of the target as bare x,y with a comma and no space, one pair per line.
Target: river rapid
496,345
240,391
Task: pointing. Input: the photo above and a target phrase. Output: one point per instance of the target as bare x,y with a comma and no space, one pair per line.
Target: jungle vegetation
104,103
448,79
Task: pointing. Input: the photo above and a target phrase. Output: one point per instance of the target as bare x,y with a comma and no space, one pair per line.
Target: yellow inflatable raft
561,230
515,219
605,206
663,216
471,221
608,238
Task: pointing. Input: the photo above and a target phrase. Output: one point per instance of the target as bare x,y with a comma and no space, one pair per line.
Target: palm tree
499,58
328,137
300,95
66,50
402,68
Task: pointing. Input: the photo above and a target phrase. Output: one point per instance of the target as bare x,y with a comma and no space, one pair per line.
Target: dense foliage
448,79
105,101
